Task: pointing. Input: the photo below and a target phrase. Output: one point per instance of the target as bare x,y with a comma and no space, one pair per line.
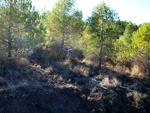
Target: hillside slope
41,85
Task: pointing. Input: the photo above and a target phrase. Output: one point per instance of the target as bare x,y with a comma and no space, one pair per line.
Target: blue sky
136,11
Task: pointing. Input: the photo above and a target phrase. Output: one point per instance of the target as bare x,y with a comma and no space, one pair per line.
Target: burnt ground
47,85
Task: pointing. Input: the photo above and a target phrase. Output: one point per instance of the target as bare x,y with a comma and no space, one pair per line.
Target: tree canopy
64,22
102,35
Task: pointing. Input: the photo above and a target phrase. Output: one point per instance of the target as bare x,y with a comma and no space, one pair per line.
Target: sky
136,11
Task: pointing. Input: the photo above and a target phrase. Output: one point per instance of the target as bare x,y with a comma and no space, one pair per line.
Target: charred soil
38,84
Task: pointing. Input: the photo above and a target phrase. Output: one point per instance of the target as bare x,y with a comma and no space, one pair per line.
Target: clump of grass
48,70
23,61
139,71
91,61
136,98
110,82
81,69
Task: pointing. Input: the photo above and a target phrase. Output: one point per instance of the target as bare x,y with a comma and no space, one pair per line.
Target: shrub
136,98
3,57
93,60
23,61
78,54
110,82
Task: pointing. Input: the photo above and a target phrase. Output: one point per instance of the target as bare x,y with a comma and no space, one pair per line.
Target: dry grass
136,71
107,82
82,69
48,70
66,62
139,70
23,61
136,98
91,61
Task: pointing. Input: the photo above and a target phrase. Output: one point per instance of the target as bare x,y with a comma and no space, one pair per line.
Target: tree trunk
101,50
62,46
9,44
148,58
9,49
148,64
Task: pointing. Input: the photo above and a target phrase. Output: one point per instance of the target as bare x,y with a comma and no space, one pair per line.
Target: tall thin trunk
148,58
9,43
148,64
101,50
63,38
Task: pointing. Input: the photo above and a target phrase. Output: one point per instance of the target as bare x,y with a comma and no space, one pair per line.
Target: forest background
101,36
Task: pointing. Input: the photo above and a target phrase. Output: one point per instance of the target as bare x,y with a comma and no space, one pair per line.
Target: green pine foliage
23,28
20,26
64,23
122,46
101,32
141,41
